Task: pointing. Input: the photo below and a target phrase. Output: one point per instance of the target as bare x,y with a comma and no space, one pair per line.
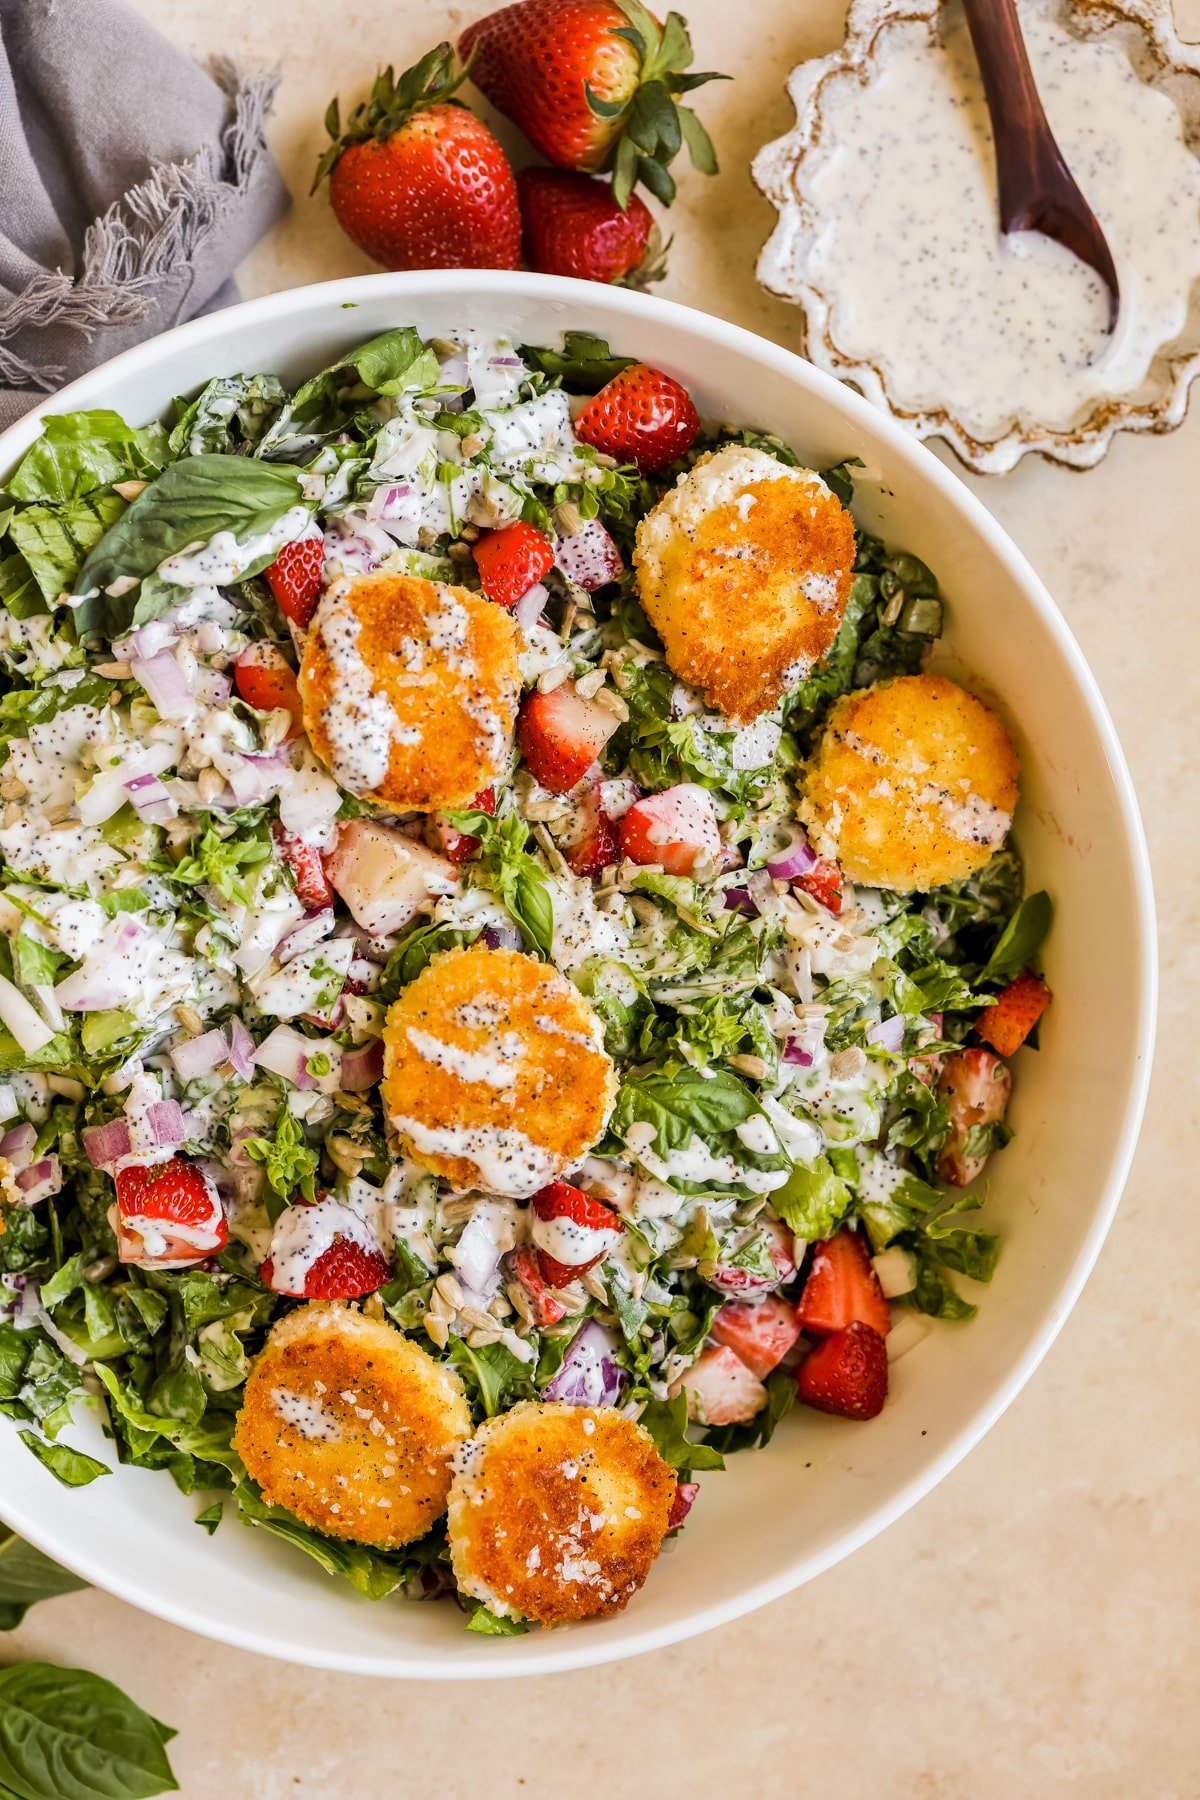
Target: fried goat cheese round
744,569
557,1512
410,690
912,783
351,1426
495,1074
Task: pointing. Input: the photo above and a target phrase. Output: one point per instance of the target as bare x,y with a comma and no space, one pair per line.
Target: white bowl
781,1515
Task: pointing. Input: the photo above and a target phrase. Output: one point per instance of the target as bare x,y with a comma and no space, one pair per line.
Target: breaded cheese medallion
495,1074
744,570
351,1426
557,1512
410,690
912,784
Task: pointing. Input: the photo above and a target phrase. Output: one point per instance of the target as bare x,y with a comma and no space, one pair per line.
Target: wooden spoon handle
1028,161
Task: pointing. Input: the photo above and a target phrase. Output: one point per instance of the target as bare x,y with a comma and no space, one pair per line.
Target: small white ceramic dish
1145,31
823,1487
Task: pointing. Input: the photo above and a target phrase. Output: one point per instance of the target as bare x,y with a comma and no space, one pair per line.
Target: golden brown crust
351,1426
498,1013
746,593
913,783
454,696
559,1512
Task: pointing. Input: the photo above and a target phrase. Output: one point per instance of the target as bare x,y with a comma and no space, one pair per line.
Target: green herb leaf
374,1573
813,1201
72,1467
56,541
66,1734
584,364
290,1163
1020,940
79,452
26,1576
490,1624
666,1421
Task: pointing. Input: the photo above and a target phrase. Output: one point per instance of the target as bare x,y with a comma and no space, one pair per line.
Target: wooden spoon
1037,191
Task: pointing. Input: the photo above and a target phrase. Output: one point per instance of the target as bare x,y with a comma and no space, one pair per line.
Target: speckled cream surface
1033,1627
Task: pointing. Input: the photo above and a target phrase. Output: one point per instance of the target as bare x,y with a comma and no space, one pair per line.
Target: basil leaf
583,365
490,1624
374,1573
680,1102
79,452
414,954
210,1516
66,1734
935,1295
207,424
494,1376
666,1421
1020,940
26,1576
56,541
189,503
395,362
72,1467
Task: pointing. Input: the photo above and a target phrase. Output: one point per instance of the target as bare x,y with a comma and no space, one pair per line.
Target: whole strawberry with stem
416,180
573,226
594,84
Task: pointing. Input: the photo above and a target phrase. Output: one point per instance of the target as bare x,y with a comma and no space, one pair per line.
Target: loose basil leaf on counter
1021,939
74,1468
189,503
26,1576
66,1734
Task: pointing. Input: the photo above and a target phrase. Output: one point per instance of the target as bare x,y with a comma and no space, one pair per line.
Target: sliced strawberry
720,1388
343,1272
824,883
760,1333
1006,1025
571,1232
642,416
266,681
595,840
167,1214
313,887
672,829
561,734
295,578
846,1374
842,1287
459,846
511,560
521,1269
682,1504
589,557
976,1087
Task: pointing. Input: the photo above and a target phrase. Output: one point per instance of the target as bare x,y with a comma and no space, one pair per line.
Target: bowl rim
591,1648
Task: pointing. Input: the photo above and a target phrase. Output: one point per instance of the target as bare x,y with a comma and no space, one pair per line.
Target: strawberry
571,1232
846,1374
747,1284
593,85
561,734
976,1087
682,1504
761,1333
641,416
573,226
416,180
1006,1025
720,1388
295,578
588,556
343,1272
824,882
842,1288
521,1271
313,888
672,829
167,1214
265,680
459,846
595,841
511,560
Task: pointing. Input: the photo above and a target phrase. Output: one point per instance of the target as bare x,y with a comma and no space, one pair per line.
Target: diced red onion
362,1067
737,899
500,937
589,1374
588,557
476,1255
253,779
287,1053
104,1145
311,931
503,362
40,1180
241,1049
796,859
17,1145
94,986
794,1052
165,1119
888,1033
198,1055
151,801
166,684
528,609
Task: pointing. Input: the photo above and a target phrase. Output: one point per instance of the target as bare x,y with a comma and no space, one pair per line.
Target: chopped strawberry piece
720,1388
760,1333
673,829
459,846
824,883
521,1270
344,1271
847,1374
842,1287
642,416
682,1504
511,560
1006,1025
571,1232
589,557
266,681
295,578
313,888
561,734
595,840
976,1087
167,1214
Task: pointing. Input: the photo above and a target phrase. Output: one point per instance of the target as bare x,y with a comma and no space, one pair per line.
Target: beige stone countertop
1032,1628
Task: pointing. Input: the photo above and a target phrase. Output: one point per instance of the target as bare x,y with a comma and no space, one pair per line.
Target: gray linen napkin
132,183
